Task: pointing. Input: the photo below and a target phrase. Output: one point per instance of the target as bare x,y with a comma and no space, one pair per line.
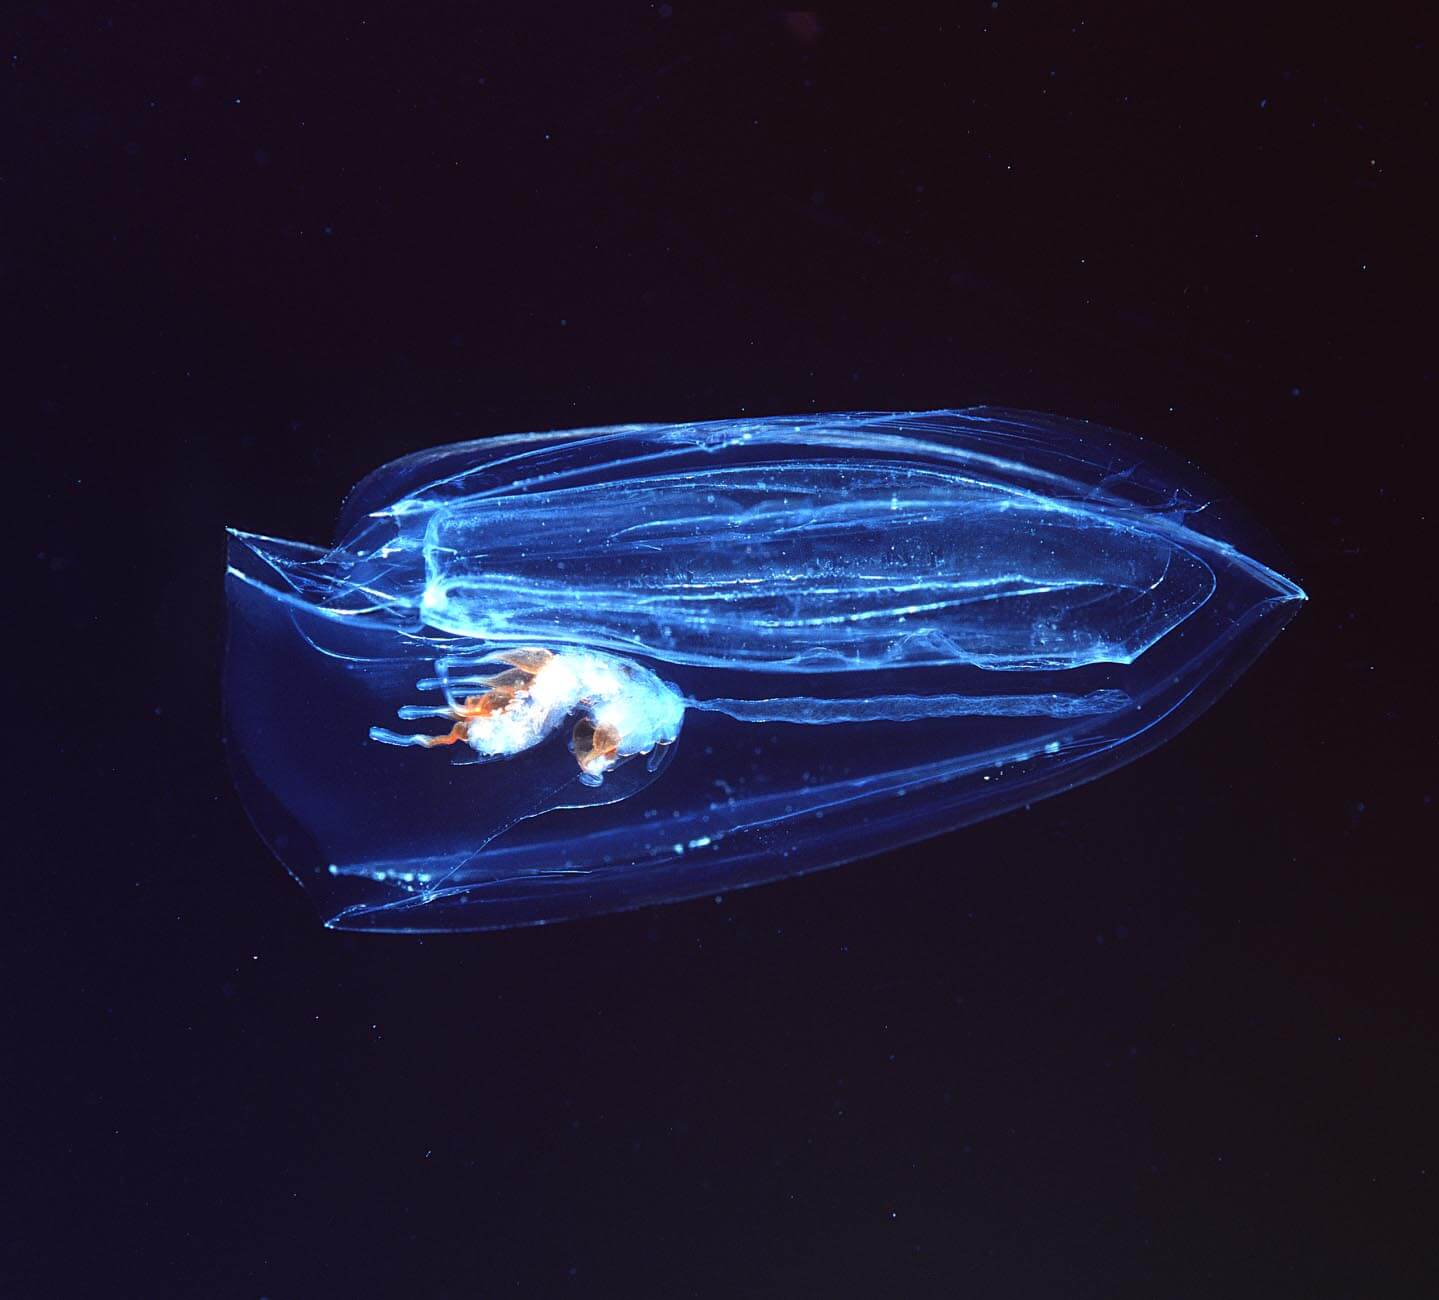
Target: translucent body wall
551,675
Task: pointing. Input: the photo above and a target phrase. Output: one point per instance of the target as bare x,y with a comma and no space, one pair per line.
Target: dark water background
1170,1034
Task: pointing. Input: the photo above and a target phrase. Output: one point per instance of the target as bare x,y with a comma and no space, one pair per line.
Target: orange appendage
529,660
474,706
459,732
503,689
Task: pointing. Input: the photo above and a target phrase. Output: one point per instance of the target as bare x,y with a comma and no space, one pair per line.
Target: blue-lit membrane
663,661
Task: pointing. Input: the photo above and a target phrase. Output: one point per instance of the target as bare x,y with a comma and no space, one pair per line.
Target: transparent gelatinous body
551,675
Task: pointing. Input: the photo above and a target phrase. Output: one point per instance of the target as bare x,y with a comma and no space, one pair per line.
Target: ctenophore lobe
553,675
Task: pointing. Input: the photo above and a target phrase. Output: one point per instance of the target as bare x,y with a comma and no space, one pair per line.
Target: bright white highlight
620,709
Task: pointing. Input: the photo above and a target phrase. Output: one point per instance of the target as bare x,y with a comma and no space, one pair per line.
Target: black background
1169,1034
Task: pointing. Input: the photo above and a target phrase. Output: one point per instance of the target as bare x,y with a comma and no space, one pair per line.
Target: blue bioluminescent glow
552,675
